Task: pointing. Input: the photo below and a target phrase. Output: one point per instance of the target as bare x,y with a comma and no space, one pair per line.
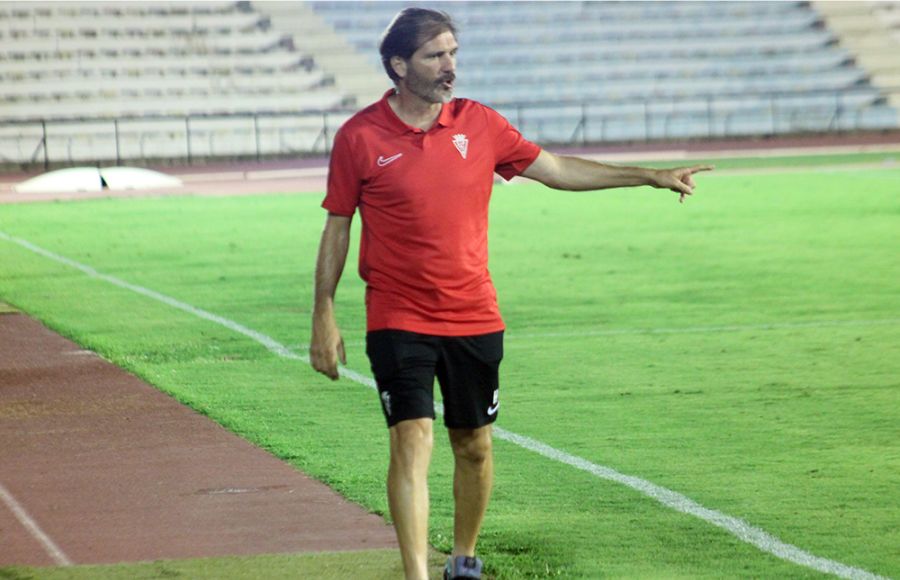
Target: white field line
58,556
735,526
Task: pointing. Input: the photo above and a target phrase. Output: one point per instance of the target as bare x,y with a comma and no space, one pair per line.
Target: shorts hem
392,421
478,424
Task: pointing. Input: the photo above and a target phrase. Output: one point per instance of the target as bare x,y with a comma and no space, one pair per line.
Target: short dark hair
410,29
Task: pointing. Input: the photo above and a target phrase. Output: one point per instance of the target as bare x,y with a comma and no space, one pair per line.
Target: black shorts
406,363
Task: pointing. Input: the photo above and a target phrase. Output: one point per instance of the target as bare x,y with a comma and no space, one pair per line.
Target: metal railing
167,138
712,116
189,139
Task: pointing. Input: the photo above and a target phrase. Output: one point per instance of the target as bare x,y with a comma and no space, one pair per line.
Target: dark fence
198,138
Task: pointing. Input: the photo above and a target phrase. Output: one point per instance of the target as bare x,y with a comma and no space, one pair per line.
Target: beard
429,90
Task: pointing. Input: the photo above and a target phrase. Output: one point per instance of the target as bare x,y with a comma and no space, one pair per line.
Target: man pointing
418,166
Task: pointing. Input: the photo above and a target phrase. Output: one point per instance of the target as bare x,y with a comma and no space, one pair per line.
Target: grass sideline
762,160
790,428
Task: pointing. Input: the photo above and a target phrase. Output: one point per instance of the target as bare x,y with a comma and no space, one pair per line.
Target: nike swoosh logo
492,410
382,160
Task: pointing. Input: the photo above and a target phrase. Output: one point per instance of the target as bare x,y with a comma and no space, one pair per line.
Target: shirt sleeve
344,181
513,153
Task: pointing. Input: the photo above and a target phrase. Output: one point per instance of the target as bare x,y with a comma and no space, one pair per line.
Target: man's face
431,70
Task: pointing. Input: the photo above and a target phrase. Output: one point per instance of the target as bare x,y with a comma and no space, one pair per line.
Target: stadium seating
65,67
645,70
62,60
871,32
562,71
58,67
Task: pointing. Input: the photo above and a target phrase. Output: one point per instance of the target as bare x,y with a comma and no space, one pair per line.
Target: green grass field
742,350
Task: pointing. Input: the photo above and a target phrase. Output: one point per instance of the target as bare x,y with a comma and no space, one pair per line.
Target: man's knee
411,439
472,445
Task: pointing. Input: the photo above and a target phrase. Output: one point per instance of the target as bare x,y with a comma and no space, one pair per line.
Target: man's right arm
326,345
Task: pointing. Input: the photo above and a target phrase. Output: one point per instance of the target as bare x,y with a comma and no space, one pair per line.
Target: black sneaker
462,567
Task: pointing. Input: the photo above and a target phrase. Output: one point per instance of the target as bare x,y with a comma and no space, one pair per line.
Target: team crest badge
462,144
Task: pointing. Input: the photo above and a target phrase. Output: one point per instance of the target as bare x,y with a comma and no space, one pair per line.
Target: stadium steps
870,31
77,81
63,60
61,67
353,73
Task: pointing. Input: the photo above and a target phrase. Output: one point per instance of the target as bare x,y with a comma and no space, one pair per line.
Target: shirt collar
445,119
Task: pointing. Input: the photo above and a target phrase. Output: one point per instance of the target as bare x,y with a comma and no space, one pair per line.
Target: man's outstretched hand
680,179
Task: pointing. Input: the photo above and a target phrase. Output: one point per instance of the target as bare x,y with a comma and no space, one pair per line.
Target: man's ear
399,66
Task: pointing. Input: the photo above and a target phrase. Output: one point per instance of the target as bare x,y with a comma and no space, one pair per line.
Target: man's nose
448,63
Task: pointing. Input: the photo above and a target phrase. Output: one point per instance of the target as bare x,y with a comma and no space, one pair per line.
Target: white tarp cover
87,179
73,179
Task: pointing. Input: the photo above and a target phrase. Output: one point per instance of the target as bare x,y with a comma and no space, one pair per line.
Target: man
419,166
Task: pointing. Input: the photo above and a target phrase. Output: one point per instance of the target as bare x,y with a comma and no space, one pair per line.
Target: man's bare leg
411,444
472,481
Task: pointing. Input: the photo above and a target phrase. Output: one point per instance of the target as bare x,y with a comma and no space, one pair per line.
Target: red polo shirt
423,197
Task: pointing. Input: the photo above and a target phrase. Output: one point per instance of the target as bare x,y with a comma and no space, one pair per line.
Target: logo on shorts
462,144
386,401
492,410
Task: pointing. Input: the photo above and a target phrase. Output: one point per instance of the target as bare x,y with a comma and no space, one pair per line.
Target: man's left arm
577,174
